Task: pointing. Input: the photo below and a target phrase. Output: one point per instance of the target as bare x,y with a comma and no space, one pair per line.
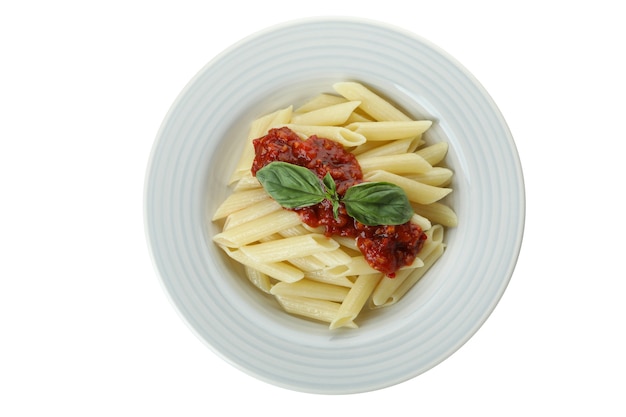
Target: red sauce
386,248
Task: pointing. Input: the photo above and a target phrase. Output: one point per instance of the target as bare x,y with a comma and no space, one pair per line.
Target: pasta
310,272
332,115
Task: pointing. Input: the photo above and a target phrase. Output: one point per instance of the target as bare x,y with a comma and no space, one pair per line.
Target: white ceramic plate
199,143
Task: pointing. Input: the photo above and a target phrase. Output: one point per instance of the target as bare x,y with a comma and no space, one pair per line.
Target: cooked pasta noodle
312,275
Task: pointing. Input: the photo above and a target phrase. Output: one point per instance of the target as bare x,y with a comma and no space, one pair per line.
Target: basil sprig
371,203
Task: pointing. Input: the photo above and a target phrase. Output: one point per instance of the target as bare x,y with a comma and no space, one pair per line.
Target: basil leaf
378,203
292,186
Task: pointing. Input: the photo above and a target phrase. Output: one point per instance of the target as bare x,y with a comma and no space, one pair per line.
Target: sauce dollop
386,248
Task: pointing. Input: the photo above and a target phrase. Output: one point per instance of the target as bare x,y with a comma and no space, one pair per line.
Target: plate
198,145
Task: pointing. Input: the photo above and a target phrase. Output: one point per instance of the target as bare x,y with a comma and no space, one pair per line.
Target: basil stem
331,193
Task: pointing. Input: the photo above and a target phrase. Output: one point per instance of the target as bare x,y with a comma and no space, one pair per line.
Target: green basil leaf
378,203
292,186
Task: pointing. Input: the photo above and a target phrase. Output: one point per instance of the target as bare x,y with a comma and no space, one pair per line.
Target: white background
87,330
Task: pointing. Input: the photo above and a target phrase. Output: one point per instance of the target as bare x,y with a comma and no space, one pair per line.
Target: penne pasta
246,182
386,287
357,116
437,176
374,149
258,128
407,163
240,200
311,272
321,276
321,310
277,270
384,131
421,221
320,101
357,266
371,103
355,299
437,213
311,289
333,115
256,229
384,291
339,134
290,247
307,264
251,212
258,279
435,153
333,258
416,191
413,278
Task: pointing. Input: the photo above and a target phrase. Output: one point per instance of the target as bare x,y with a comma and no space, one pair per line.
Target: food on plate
337,205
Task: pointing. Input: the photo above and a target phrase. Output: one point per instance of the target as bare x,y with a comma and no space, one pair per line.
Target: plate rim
333,19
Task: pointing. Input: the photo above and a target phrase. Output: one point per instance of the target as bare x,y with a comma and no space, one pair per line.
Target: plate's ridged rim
493,195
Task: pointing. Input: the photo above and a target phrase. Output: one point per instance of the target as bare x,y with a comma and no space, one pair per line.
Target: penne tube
261,125
339,134
435,153
374,149
258,128
384,131
327,278
239,200
298,230
311,289
333,115
254,230
358,266
320,310
258,279
413,278
415,191
429,246
408,163
333,258
252,212
246,182
277,270
356,116
415,143
437,213
437,176
321,276
280,118
355,299
290,247
307,264
320,101
435,233
347,242
421,221
371,103
386,287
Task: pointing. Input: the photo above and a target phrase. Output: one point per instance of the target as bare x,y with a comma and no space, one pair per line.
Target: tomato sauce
386,248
